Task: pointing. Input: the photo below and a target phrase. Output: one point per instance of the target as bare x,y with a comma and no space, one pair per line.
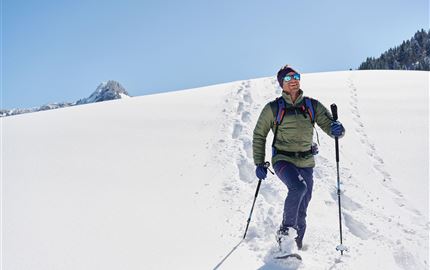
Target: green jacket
295,133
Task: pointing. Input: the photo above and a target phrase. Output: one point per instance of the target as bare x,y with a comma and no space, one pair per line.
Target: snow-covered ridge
109,90
105,91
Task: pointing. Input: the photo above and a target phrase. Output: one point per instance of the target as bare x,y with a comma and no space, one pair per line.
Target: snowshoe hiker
291,118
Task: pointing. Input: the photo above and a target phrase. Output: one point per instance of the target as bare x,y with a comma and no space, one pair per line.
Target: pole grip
333,108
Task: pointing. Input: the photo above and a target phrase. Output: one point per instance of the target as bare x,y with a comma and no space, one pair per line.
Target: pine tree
413,54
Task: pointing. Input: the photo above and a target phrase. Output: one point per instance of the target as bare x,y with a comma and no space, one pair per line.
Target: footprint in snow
246,117
404,259
246,170
240,107
356,228
247,97
247,146
237,130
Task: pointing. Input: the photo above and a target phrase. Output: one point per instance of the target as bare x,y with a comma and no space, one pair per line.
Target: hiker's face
292,86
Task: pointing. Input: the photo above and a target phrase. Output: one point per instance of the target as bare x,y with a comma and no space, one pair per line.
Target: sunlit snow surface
167,181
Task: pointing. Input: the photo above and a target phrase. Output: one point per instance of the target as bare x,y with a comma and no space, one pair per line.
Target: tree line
413,54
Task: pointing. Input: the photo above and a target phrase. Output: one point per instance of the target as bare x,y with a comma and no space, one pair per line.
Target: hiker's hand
261,171
337,129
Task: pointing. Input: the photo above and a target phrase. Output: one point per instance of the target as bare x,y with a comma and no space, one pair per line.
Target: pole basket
341,248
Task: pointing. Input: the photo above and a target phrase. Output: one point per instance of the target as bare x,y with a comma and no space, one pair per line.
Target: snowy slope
167,181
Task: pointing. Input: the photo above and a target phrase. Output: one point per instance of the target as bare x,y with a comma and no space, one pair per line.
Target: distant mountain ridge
109,90
413,54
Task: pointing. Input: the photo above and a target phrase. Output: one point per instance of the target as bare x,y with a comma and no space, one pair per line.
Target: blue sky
55,51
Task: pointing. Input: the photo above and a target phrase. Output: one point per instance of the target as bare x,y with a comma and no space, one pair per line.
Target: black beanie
283,72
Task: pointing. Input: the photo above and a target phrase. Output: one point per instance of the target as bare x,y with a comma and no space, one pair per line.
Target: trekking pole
266,165
340,247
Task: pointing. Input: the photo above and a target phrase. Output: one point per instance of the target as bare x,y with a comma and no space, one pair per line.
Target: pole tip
341,248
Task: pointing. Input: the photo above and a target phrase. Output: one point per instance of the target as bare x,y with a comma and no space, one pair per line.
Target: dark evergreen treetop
413,54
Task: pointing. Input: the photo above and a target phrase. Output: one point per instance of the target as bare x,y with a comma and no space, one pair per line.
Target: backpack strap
279,106
310,103
280,113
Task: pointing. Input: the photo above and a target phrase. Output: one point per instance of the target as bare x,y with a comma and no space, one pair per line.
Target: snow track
371,228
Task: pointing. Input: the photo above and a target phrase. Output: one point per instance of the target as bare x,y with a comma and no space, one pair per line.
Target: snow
122,95
167,181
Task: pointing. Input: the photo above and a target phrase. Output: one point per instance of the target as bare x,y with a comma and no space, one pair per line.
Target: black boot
299,243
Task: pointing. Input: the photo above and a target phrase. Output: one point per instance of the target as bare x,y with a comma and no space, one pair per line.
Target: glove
261,171
314,149
337,129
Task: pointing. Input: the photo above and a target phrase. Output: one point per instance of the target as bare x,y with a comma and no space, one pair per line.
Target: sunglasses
296,76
